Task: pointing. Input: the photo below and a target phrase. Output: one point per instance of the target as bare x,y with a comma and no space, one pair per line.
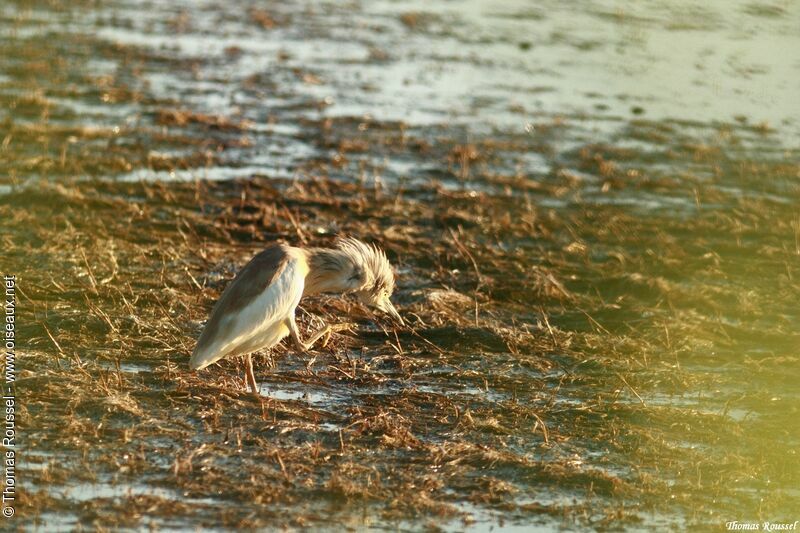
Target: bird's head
372,277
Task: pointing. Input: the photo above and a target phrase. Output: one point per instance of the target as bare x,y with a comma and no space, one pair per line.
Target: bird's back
251,312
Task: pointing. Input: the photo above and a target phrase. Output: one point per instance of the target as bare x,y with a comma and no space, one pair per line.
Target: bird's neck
328,271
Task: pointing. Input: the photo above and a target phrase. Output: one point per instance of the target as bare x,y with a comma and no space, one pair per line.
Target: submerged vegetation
599,333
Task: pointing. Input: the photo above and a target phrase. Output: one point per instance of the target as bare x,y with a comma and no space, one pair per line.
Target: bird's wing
261,296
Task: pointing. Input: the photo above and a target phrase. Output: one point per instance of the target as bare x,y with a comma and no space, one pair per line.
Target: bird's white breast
261,323
263,320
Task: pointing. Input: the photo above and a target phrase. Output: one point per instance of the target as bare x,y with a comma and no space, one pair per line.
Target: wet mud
601,305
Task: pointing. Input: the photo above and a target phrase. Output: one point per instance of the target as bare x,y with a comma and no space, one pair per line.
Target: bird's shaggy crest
371,267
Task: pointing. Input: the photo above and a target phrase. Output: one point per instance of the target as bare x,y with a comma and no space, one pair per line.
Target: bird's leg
324,331
303,347
251,378
299,344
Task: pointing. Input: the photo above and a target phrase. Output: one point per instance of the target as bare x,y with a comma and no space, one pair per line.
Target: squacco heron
256,311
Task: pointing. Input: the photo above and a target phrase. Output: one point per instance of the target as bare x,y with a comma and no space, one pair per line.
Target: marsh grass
525,375
609,343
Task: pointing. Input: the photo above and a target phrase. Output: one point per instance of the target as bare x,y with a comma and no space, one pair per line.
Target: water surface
593,212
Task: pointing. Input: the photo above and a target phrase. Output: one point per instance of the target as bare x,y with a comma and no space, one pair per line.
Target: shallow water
623,176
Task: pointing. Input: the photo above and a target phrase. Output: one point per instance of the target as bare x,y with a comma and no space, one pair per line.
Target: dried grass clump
589,346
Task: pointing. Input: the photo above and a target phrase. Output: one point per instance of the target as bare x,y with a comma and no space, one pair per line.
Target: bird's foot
334,328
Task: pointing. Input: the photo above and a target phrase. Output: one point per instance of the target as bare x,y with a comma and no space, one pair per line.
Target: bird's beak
387,307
